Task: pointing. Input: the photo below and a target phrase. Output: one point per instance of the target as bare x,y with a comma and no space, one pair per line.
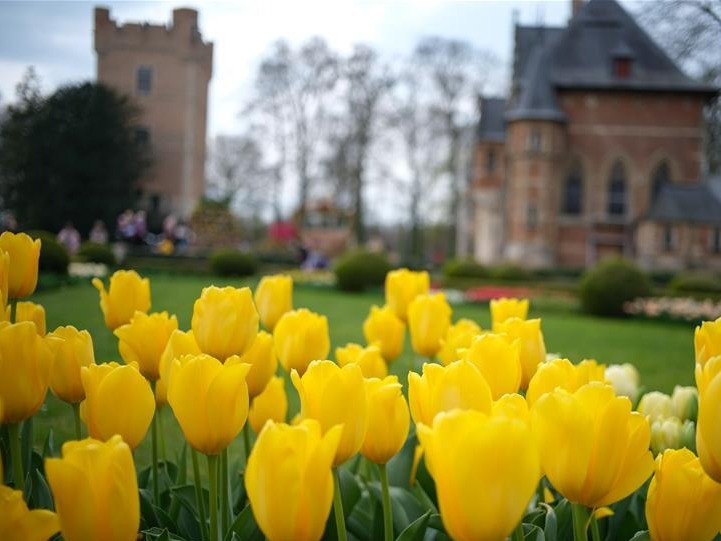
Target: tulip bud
383,328
685,403
18,523
335,396
24,255
179,344
665,434
429,317
225,321
74,351
95,490
688,436
624,378
26,363
683,503
209,400
468,449
301,336
271,404
402,287
127,293
460,385
143,341
499,362
707,341
273,298
503,309
104,385
533,347
388,420
263,362
292,502
458,337
369,359
29,311
655,406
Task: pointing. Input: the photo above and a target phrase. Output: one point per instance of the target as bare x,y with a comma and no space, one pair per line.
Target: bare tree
236,171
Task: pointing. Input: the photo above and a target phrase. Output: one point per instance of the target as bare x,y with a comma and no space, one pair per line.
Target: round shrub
512,273
605,288
464,268
695,282
92,252
233,263
360,269
53,255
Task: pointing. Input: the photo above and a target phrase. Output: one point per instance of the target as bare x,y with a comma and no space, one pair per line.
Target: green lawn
662,351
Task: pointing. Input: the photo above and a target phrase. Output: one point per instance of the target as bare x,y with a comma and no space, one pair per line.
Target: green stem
246,440
387,515
579,522
224,484
518,534
198,493
161,431
76,416
154,438
595,531
338,507
16,456
213,503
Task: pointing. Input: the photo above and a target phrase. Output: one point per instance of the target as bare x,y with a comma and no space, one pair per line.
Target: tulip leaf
49,445
144,478
26,442
350,490
400,466
361,521
416,531
40,496
245,527
436,523
148,516
161,534
550,527
641,536
5,454
531,532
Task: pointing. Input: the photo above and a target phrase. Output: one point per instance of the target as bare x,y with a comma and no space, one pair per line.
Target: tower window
531,217
491,161
617,191
669,238
622,68
661,177
716,240
142,135
144,81
534,140
572,202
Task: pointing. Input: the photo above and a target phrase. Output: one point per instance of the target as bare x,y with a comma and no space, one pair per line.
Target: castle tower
166,71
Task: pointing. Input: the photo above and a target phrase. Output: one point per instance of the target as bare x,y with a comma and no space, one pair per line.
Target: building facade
166,71
597,151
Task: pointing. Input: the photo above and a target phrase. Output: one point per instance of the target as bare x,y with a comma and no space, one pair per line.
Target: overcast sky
56,37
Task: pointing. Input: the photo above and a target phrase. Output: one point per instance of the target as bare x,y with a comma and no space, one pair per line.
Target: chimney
576,6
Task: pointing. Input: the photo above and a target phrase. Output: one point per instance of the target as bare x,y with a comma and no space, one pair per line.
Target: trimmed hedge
54,257
464,268
360,269
511,273
695,282
92,252
605,288
229,262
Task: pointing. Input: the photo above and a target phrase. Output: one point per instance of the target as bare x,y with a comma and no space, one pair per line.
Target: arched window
572,202
660,177
617,191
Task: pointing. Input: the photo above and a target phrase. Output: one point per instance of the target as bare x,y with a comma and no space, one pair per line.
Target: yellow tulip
335,396
564,374
533,347
655,406
271,404
143,340
707,340
388,420
29,311
402,286
460,385
301,336
384,328
24,255
74,350
263,363
225,321
467,449
594,449
118,400
512,405
368,358
683,503
708,431
503,309
292,503
273,298
666,434
685,403
4,277
127,293
26,364
209,400
179,344
459,336
498,360
18,523
429,317
624,378
95,489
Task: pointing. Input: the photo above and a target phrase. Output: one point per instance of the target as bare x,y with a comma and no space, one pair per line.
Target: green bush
233,263
609,285
464,268
695,282
92,252
360,269
511,273
53,255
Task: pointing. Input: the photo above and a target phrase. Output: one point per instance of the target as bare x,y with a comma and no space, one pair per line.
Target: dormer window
622,67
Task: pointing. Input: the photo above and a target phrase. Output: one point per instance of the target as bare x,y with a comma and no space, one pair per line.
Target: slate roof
492,126
694,203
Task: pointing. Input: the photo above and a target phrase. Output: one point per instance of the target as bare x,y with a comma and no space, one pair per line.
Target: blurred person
126,225
70,238
99,234
141,227
170,222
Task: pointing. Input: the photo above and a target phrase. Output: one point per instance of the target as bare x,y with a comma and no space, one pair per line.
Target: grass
662,351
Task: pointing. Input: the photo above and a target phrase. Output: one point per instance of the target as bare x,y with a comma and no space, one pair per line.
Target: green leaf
26,442
436,523
550,528
416,531
148,517
245,527
161,534
40,496
531,532
49,445
350,490
361,521
641,536
399,467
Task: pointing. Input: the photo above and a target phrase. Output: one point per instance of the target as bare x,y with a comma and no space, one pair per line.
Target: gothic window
660,177
144,81
669,238
572,202
617,191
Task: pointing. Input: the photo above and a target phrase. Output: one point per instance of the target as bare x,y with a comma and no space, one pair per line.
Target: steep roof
694,203
492,125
